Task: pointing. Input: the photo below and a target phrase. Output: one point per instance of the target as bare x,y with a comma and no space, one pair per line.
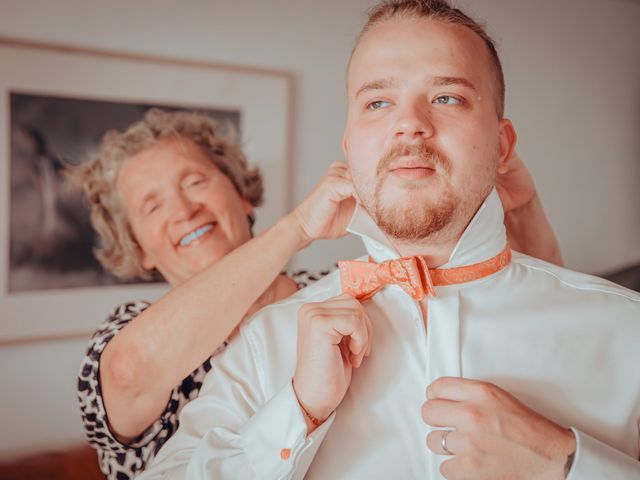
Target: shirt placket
443,324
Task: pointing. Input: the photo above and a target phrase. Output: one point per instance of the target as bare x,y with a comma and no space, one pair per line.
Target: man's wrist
312,421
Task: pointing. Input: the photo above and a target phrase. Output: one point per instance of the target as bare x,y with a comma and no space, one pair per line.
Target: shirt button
285,453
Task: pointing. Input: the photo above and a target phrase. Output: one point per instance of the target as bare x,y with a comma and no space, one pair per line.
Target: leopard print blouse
117,460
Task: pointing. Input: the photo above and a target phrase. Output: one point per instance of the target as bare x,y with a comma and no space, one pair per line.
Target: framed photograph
56,103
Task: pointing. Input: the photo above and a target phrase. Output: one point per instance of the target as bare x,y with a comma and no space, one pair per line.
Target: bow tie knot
363,280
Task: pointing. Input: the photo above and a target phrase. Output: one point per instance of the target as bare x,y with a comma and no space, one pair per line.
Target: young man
441,304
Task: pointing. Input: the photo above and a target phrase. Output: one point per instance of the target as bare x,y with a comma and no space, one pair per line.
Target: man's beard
414,221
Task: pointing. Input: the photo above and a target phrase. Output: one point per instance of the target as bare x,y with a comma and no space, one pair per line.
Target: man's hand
515,184
493,434
326,212
334,336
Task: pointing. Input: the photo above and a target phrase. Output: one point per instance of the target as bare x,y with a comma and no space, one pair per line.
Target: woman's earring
252,219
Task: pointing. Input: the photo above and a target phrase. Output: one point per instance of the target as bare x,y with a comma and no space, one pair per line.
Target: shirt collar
484,237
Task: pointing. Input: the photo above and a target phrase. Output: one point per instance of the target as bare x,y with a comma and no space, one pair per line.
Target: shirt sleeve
595,460
236,429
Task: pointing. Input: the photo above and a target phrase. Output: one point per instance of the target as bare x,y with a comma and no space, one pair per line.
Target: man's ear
508,139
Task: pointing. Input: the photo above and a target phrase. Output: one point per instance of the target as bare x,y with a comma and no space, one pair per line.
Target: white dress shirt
564,343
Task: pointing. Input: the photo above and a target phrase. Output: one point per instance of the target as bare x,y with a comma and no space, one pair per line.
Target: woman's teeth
190,237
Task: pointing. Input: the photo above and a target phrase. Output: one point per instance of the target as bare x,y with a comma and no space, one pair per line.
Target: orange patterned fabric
363,280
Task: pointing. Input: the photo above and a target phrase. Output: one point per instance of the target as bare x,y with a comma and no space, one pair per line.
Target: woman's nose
183,207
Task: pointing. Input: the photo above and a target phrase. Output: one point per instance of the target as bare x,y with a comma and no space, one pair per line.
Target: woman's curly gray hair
119,252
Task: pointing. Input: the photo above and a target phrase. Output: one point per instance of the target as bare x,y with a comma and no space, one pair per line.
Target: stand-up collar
484,237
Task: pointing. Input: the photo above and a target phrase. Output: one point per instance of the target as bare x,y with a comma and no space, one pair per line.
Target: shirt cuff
275,439
596,460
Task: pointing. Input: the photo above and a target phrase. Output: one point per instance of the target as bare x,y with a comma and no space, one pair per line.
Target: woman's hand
528,228
515,186
326,212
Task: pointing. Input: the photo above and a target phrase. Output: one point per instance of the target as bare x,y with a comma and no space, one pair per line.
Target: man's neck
434,253
440,247
437,248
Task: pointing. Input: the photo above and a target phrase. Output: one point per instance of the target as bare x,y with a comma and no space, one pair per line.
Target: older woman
175,196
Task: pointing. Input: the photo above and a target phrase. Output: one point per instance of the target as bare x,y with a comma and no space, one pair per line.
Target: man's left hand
493,434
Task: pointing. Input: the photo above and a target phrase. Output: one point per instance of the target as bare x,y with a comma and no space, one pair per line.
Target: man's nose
414,122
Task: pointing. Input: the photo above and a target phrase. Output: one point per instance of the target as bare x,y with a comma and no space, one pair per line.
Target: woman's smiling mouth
197,233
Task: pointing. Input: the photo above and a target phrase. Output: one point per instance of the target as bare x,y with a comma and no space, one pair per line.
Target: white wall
573,90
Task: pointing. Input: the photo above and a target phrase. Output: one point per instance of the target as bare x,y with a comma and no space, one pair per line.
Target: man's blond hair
442,11
119,252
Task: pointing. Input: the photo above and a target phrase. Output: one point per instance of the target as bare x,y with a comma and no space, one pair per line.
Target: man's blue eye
377,104
448,100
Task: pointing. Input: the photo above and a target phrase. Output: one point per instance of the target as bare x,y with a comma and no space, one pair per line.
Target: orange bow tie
363,280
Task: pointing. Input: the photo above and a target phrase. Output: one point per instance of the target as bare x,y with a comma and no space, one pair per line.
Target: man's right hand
326,211
334,336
